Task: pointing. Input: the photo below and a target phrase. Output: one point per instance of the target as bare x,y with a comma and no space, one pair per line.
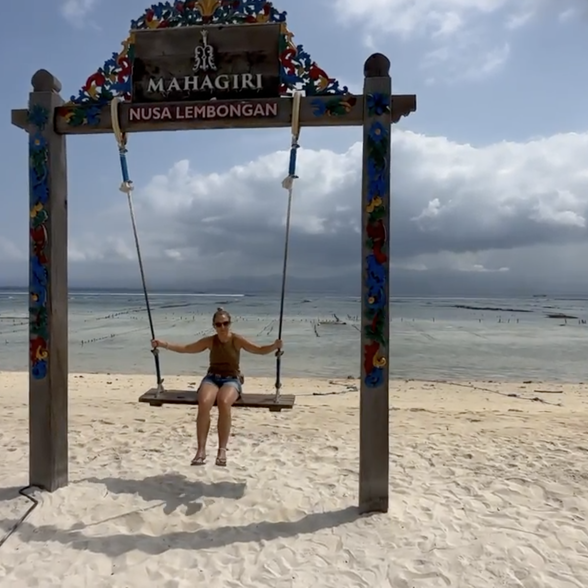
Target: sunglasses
223,324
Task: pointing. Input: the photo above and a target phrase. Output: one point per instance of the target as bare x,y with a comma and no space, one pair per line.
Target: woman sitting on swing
223,381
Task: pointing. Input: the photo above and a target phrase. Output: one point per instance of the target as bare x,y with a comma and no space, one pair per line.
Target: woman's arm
257,349
196,347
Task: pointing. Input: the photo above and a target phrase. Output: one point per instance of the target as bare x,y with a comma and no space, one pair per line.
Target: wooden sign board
199,63
213,110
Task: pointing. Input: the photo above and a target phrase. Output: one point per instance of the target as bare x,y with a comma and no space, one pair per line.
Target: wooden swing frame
48,120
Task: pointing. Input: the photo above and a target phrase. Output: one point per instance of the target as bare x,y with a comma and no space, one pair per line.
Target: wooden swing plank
190,397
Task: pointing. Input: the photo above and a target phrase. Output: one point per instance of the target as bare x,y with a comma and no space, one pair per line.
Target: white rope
288,184
115,123
127,188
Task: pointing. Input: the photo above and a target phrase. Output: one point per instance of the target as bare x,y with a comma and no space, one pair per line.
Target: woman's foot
199,458
221,458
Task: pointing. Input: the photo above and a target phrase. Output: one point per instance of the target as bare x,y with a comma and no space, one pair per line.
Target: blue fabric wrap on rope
124,167
292,165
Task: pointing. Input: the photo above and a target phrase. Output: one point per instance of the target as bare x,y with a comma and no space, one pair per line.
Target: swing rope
127,188
288,184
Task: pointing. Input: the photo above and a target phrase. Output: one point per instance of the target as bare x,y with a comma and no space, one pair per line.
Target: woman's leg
227,396
207,394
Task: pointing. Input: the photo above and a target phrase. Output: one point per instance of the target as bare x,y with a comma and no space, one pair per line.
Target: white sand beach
487,490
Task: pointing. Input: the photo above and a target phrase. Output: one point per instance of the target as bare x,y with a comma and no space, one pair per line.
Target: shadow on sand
119,544
11,493
174,490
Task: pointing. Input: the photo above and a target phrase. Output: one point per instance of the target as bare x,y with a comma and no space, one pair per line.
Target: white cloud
516,20
10,251
506,209
576,10
455,206
465,59
464,38
425,17
75,11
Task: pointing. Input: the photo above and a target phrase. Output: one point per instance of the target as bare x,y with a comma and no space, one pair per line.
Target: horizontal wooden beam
20,118
323,111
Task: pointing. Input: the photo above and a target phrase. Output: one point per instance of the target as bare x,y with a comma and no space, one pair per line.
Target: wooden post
375,268
48,337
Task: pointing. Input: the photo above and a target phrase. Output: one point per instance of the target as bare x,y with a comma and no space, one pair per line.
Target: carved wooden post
48,352
375,207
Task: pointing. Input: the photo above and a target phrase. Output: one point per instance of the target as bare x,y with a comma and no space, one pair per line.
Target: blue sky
488,175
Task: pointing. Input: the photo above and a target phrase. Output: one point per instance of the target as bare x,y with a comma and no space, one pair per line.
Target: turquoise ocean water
431,338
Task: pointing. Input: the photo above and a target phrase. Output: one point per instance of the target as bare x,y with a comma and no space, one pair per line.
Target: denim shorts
221,381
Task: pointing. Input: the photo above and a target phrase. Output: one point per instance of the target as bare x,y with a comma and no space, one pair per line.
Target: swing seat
190,397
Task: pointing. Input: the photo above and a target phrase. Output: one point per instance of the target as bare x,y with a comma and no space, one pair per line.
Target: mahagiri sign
204,111
200,63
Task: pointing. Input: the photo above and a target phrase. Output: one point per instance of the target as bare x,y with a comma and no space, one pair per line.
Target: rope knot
126,187
288,182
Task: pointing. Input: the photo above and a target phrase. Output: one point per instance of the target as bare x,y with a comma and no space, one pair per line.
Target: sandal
199,460
221,461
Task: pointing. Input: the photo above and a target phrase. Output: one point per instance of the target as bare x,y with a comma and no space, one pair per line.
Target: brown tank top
224,358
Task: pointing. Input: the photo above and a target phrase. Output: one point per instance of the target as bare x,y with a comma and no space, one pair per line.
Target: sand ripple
486,491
